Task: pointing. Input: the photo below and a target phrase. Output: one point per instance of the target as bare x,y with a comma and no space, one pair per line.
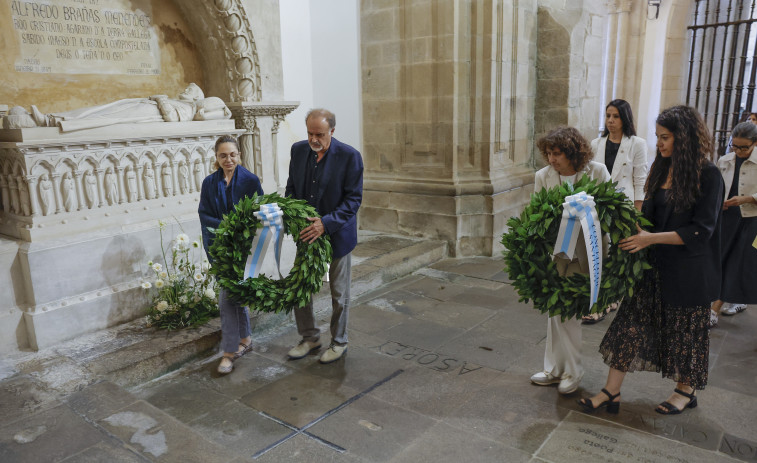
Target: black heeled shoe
672,409
612,407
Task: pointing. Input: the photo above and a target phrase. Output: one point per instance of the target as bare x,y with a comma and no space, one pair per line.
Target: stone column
448,91
31,182
140,185
15,203
59,209
121,188
175,176
100,187
5,193
622,18
82,201
275,148
245,114
158,170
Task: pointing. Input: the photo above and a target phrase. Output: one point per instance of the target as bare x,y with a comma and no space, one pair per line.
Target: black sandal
672,409
612,407
245,349
589,320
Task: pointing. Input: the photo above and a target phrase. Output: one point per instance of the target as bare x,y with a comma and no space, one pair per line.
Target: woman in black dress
739,170
663,327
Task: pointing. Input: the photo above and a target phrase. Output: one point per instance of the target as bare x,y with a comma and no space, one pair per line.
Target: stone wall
448,94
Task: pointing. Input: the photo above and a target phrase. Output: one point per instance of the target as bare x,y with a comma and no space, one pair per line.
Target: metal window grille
722,71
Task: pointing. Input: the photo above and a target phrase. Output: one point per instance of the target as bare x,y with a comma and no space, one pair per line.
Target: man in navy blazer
328,174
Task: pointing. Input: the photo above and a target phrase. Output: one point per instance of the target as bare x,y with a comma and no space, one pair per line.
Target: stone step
132,353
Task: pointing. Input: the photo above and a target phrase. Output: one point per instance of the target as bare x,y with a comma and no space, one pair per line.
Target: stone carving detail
245,116
90,189
149,182
111,188
234,37
199,176
131,184
184,186
15,208
67,188
190,105
46,195
75,185
167,184
23,196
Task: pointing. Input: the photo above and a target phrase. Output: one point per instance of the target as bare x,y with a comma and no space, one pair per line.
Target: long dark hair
692,148
225,139
626,116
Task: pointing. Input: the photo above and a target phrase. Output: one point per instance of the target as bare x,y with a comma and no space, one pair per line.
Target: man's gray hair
321,112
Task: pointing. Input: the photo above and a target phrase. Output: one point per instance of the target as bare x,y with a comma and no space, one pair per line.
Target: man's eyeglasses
739,148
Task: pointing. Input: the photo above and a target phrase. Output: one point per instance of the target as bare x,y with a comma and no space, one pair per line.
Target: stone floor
436,371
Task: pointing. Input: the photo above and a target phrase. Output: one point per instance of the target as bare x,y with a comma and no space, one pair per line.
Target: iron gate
722,71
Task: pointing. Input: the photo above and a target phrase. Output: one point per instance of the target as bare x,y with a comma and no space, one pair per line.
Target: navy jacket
340,194
690,273
213,201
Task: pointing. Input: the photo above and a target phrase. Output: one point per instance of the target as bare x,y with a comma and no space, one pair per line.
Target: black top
611,152
313,173
734,191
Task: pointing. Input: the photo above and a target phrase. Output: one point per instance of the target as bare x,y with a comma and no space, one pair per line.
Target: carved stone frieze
47,183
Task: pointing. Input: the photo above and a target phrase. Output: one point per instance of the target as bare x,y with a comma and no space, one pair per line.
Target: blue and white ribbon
273,230
579,212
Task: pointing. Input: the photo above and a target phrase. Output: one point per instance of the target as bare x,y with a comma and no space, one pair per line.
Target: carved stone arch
5,167
18,169
234,74
42,167
87,161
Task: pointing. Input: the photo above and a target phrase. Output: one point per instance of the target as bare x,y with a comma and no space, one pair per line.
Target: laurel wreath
529,244
231,246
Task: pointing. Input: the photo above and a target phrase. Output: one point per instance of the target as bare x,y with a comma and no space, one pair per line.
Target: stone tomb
79,221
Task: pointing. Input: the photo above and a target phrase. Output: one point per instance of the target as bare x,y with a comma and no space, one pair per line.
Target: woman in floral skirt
663,327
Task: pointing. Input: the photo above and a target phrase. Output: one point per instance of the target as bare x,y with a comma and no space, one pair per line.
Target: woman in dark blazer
221,191
663,327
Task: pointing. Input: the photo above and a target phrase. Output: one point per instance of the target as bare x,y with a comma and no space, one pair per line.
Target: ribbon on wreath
270,217
579,212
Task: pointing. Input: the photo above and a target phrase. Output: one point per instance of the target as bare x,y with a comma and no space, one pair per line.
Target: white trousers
563,353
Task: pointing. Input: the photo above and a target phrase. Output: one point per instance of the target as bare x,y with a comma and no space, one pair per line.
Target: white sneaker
303,348
733,309
568,384
543,378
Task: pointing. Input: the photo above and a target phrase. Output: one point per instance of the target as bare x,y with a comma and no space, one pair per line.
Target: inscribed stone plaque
85,36
591,439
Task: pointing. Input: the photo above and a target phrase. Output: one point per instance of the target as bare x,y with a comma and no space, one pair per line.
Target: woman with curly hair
663,327
569,157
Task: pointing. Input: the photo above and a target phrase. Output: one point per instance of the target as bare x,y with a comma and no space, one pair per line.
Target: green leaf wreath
529,244
231,246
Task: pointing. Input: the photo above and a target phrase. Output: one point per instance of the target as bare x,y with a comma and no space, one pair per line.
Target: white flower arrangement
186,292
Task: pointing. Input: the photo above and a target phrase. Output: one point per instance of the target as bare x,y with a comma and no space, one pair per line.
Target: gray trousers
340,274
235,322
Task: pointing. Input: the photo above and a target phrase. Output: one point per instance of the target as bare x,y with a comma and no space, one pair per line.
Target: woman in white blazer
625,156
569,158
739,227
622,152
